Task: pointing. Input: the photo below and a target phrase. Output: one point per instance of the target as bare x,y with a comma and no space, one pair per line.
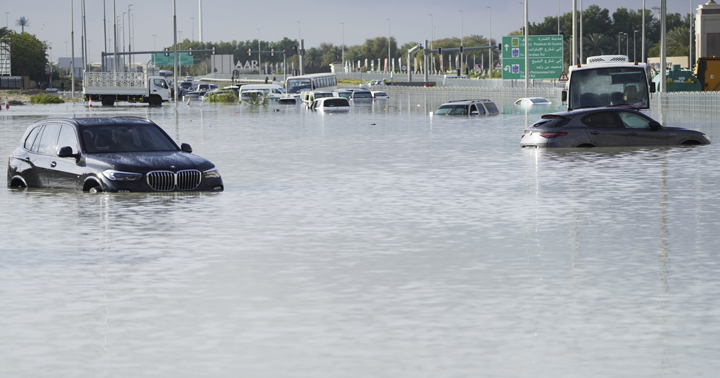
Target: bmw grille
165,181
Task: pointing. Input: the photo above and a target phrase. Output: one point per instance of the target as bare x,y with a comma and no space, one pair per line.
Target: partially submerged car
118,154
468,107
606,127
531,101
331,104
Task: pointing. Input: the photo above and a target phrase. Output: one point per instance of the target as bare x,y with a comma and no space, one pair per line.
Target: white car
331,104
379,95
530,101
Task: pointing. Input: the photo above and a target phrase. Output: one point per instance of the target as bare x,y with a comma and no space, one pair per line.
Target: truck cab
606,81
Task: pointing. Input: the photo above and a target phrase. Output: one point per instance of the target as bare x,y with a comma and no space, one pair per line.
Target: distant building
707,30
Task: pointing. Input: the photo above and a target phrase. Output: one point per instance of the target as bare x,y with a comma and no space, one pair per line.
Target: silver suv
468,107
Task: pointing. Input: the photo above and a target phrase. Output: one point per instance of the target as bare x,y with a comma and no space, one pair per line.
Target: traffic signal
295,49
272,52
500,46
439,50
461,49
249,52
213,50
190,52
167,51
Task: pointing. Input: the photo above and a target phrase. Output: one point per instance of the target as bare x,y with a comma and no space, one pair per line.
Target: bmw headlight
211,174
114,175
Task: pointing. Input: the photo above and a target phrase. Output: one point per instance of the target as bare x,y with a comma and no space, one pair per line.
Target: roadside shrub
45,99
223,97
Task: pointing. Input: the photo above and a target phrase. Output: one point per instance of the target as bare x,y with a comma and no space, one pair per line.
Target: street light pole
627,44
259,54
619,36
387,65
490,65
432,35
461,42
342,59
635,45
129,38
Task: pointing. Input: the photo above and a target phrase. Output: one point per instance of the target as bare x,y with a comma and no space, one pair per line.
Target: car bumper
206,185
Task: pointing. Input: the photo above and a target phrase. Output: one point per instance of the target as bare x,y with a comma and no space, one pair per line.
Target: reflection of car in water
120,154
468,107
606,128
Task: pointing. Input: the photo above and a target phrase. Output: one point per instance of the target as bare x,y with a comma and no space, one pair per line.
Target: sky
315,21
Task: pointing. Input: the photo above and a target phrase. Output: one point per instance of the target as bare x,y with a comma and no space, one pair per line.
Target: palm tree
597,44
22,22
4,32
313,58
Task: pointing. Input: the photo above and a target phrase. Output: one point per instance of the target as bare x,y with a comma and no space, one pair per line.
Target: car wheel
108,101
95,189
155,101
690,143
586,145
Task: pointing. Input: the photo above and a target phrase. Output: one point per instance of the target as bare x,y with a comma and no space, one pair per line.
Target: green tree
677,43
597,44
4,32
313,59
22,22
28,56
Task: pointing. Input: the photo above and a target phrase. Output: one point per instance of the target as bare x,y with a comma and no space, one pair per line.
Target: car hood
141,162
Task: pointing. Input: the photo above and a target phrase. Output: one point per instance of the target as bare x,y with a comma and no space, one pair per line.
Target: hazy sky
316,21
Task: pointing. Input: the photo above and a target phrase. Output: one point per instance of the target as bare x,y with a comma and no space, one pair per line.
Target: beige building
707,30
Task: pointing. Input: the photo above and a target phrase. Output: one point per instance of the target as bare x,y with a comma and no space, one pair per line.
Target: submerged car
331,104
530,101
606,128
468,107
118,154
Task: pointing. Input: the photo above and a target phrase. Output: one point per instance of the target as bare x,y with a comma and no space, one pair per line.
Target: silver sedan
606,128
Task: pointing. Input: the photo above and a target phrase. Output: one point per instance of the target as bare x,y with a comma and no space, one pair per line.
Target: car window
160,83
601,120
48,140
126,138
68,138
491,108
452,110
28,145
634,121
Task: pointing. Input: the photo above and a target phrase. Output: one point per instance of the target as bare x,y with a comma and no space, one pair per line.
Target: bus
312,82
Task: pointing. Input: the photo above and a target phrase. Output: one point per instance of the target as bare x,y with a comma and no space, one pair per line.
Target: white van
268,90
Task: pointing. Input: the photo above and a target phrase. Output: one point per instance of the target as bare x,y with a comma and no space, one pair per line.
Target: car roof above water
99,121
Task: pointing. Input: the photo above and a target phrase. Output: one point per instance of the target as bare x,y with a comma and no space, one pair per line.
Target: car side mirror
186,148
655,126
65,152
564,96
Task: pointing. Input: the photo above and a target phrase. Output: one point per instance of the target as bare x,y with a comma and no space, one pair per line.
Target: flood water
383,242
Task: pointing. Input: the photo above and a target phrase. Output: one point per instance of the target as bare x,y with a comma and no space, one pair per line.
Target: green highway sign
545,57
184,59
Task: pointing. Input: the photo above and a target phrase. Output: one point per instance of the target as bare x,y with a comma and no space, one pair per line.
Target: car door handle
53,164
632,134
595,132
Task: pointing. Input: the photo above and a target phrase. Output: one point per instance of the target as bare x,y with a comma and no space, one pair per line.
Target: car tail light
523,136
551,134
9,159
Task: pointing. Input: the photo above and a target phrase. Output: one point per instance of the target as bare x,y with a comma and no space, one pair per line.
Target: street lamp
635,45
192,31
154,48
259,54
342,59
627,44
432,35
6,20
387,65
461,40
619,36
490,66
129,36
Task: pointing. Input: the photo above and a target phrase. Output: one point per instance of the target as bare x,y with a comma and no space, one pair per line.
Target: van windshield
298,85
609,86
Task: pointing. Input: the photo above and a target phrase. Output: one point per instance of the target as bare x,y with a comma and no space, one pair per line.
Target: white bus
312,82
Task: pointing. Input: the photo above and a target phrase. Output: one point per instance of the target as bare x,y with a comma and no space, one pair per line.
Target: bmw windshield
125,138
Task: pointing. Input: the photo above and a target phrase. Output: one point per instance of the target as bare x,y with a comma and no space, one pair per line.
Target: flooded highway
381,242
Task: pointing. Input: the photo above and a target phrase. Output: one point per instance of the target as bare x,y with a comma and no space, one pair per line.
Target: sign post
545,57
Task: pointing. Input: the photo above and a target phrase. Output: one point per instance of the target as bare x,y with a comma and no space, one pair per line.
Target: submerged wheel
690,143
108,101
155,101
95,189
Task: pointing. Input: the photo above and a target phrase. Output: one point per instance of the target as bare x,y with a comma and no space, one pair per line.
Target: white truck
108,87
607,81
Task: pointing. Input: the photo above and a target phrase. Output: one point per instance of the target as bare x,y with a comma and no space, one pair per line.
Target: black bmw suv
118,154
